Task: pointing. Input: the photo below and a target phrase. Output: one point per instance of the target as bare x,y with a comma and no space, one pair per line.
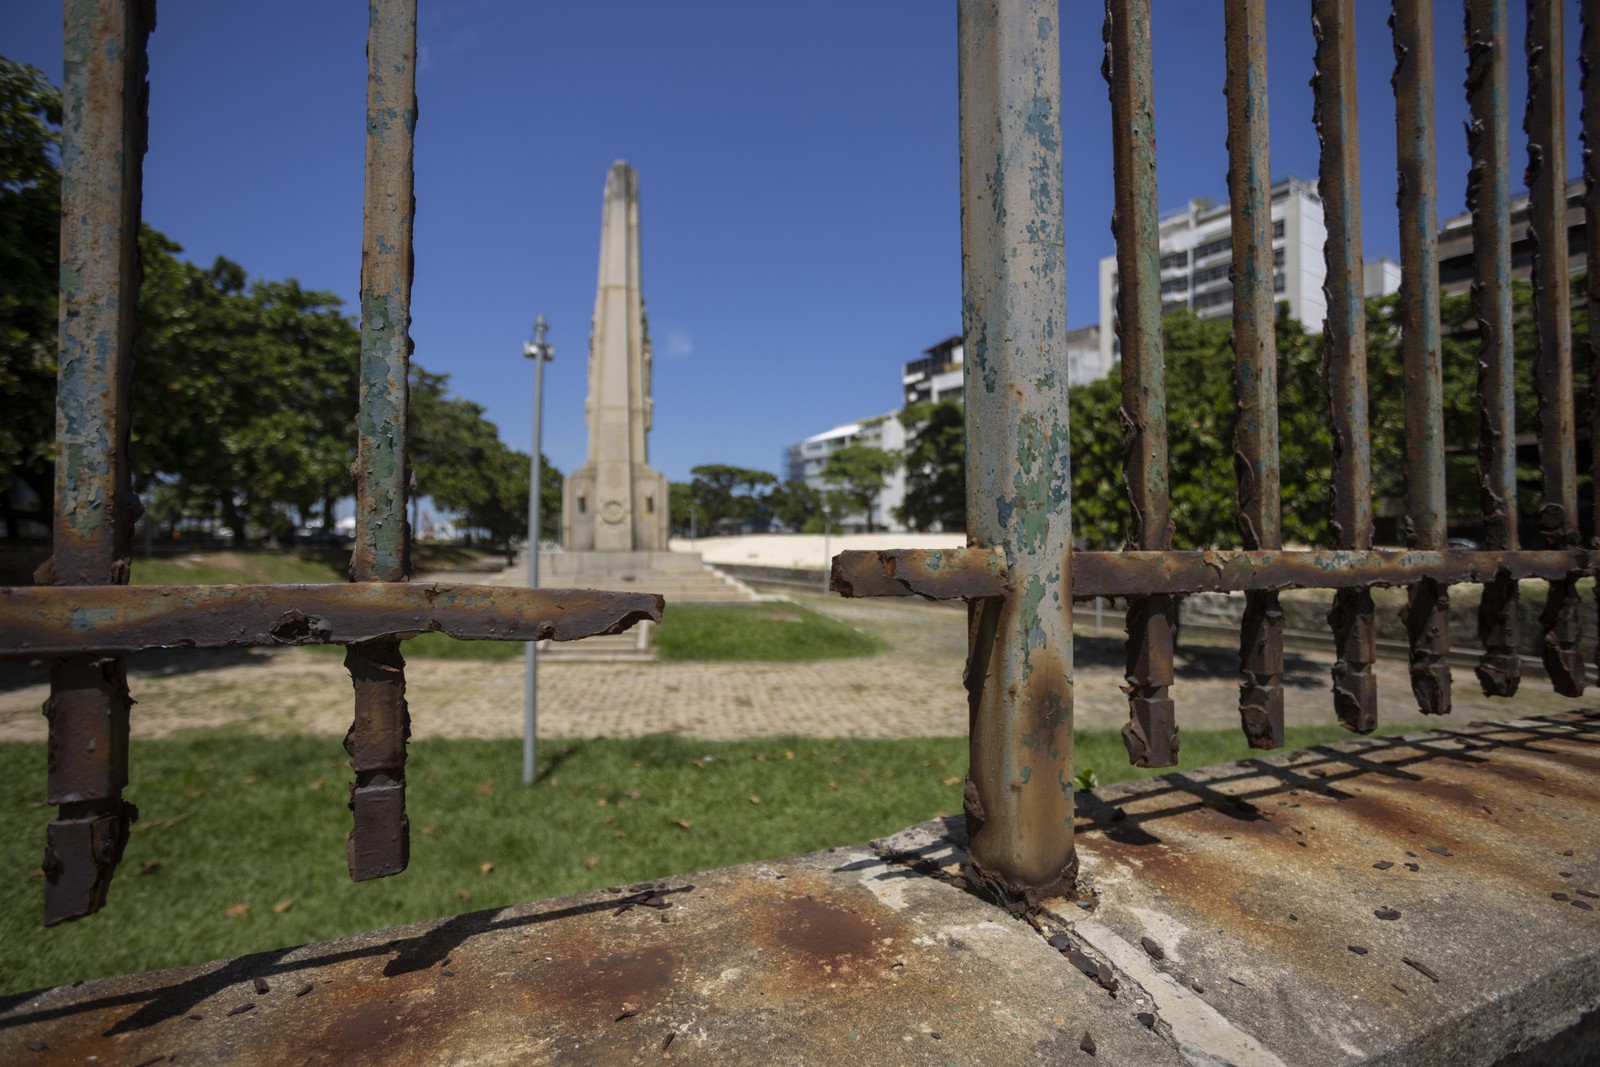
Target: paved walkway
913,691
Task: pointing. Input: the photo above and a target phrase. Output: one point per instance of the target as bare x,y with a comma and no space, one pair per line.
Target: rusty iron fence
1019,574
82,616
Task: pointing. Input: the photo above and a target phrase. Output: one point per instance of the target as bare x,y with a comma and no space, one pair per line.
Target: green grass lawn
757,632
229,820
245,567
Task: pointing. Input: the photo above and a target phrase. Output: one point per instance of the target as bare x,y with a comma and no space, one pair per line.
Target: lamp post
540,352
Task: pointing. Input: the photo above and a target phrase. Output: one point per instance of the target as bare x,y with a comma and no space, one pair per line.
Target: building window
1173,260
1277,228
1211,248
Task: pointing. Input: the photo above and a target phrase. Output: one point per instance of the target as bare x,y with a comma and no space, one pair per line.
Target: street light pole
540,352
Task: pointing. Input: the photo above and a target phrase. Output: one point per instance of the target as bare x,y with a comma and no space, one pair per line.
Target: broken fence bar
1546,177
1589,20
1255,368
102,150
1489,191
45,621
1355,688
379,840
1427,611
1151,733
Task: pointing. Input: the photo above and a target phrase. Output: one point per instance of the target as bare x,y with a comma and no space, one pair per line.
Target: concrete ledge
1428,899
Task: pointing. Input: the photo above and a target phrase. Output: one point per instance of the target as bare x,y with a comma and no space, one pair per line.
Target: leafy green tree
795,504
30,214
460,461
858,473
936,466
720,491
244,393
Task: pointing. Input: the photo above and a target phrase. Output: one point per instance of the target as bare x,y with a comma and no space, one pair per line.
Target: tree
244,392
30,215
460,461
720,491
859,471
936,466
795,504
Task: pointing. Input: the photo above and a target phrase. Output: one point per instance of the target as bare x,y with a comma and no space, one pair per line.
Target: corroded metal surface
1151,734
378,845
807,960
115,618
1255,365
1355,690
1489,191
1221,571
1019,665
1428,606
102,151
1588,59
1365,870
1545,124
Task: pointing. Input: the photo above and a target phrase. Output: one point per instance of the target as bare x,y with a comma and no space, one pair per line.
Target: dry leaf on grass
146,867
485,867
486,787
682,824
752,798
237,911
463,896
590,862
430,831
318,784
952,779
632,794
833,785
283,905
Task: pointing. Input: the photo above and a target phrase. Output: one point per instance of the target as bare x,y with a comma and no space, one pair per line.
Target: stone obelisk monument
616,502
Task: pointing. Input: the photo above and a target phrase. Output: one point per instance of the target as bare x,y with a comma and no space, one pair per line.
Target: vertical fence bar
1427,611
1499,668
1255,439
379,842
1019,668
1545,125
1588,61
103,97
1355,687
1151,734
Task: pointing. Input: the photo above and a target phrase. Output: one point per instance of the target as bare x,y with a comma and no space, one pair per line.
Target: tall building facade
1457,263
1196,244
805,462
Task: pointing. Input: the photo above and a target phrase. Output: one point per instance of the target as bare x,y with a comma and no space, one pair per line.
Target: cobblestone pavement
913,691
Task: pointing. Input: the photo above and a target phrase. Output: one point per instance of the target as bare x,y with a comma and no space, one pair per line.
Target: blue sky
798,176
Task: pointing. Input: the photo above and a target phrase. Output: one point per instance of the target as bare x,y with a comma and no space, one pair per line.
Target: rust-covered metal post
379,842
1151,733
1427,612
1255,365
1499,668
103,96
1545,124
1355,687
1019,668
1588,61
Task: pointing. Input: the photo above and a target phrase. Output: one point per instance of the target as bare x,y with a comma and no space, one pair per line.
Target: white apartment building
940,374
1196,244
805,461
